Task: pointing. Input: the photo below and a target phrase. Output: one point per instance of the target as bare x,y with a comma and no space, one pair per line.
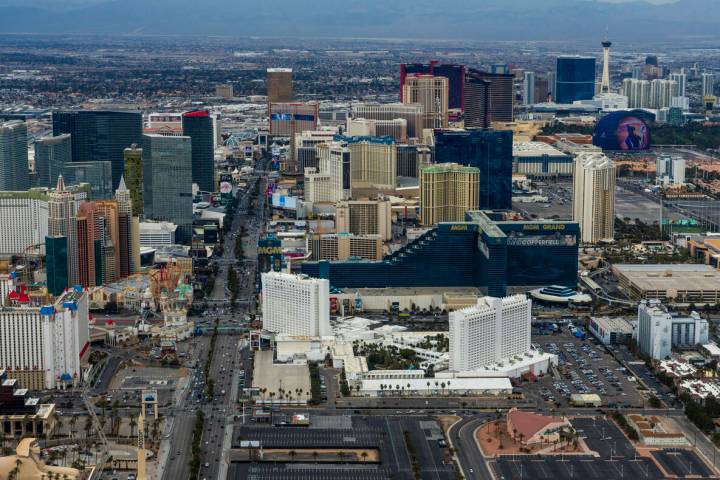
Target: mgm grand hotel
486,251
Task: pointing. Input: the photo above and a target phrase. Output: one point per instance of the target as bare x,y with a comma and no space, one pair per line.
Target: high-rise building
342,246
364,127
659,331
89,245
125,224
364,217
447,191
477,102
411,158
334,161
638,92
651,60
488,150
133,177
708,84
500,93
594,196
51,154
43,347
198,125
542,90
373,162
454,73
14,170
56,264
494,330
167,182
295,305
110,240
552,85
432,93
289,119
279,84
681,80
100,135
62,209
225,91
25,214
412,113
605,83
670,169
662,93
96,174
575,79
319,187
529,88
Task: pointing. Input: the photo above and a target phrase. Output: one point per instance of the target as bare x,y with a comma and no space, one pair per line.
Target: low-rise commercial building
539,159
670,283
611,330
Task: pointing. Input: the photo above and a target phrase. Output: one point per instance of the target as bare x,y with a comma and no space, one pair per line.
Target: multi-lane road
221,408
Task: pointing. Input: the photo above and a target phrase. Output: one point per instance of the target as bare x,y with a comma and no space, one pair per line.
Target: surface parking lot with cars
585,367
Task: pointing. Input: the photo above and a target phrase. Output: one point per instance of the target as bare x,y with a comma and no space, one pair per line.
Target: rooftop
529,424
532,149
680,277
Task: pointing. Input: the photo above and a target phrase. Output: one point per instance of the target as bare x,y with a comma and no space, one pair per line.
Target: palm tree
292,454
364,456
315,455
73,422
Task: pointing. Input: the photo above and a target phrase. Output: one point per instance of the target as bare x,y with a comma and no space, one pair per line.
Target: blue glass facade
575,79
482,252
56,260
100,136
199,127
488,150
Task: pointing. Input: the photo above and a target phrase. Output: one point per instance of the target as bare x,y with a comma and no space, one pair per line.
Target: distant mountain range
468,19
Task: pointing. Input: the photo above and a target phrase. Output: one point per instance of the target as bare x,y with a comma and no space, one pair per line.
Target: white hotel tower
495,329
295,304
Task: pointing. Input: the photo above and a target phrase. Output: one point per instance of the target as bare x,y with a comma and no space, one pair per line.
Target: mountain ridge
466,19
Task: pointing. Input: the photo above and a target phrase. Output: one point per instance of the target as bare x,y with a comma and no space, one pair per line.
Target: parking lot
585,367
388,435
616,457
682,463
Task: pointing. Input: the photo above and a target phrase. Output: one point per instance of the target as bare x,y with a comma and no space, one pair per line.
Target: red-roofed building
529,428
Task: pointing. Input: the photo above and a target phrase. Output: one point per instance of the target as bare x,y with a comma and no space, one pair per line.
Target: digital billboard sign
622,130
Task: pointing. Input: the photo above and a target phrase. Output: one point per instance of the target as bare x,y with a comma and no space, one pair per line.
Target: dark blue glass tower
198,126
56,260
100,136
488,150
575,79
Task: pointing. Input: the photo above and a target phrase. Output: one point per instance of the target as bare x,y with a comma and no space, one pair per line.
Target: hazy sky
71,3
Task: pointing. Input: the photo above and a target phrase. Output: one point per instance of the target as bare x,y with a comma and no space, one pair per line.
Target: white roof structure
534,149
594,160
491,384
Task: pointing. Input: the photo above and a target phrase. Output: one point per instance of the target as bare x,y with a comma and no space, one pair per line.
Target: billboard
225,184
622,130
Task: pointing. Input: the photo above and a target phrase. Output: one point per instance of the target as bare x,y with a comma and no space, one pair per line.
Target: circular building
622,130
